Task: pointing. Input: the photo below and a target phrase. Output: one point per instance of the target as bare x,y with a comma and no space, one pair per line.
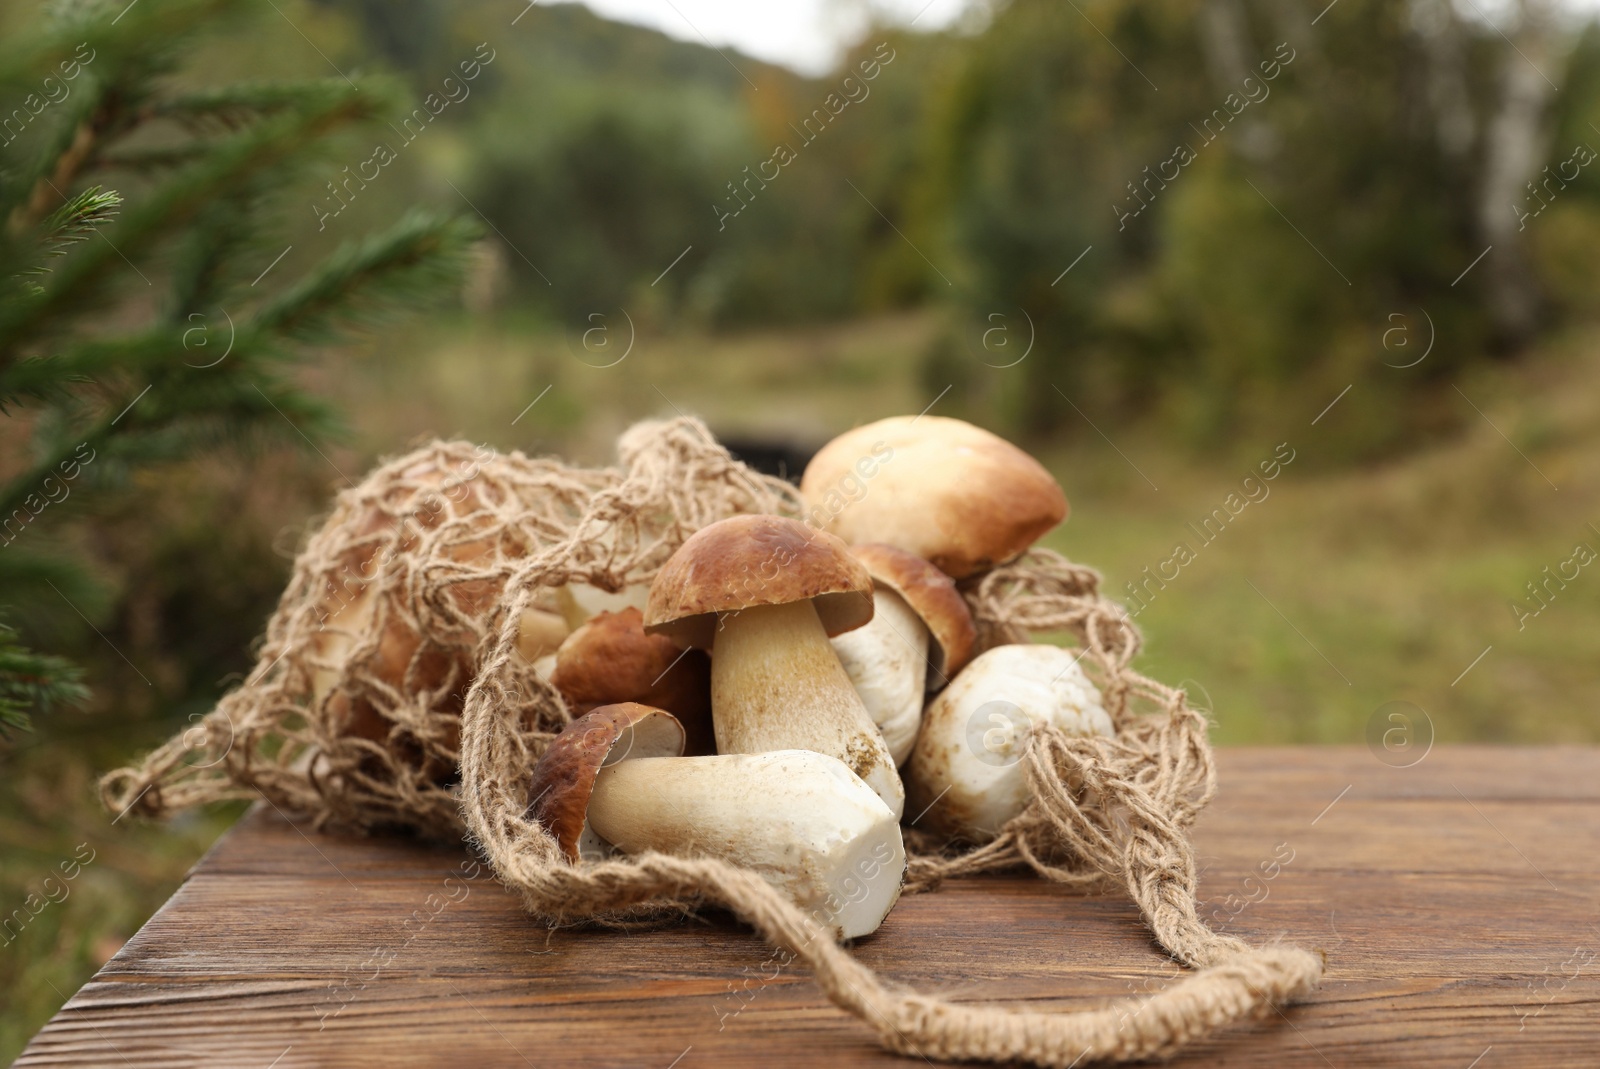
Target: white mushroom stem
545,666
539,632
802,820
965,772
887,661
776,684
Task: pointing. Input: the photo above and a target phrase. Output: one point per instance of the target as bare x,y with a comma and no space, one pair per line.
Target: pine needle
33,682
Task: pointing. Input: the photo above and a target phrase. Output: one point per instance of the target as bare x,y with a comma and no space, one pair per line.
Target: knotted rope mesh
391,691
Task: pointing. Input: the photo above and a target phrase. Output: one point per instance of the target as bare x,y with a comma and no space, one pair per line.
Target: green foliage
137,324
77,220
1319,202
600,197
602,151
30,680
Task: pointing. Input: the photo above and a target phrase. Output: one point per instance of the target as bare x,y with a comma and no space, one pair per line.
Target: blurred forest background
1156,243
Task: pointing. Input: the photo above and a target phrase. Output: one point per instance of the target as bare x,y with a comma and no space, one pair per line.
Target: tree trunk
1438,27
1516,142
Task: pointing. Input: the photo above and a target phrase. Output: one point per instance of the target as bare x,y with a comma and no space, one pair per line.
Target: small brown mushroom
764,594
805,822
920,634
951,493
564,777
611,659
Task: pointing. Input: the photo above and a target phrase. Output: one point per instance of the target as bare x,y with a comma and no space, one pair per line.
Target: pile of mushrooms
789,690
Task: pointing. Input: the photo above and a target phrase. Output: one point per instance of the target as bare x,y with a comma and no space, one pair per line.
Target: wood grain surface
1458,902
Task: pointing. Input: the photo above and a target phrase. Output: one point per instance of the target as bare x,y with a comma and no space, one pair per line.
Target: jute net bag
417,590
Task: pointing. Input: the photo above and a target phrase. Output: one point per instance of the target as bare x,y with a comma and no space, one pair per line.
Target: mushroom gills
776,684
801,819
887,662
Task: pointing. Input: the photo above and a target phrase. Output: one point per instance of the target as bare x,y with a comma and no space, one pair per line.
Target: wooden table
1456,900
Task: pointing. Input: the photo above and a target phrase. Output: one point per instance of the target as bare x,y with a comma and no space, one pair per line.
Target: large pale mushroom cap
940,488
564,778
746,561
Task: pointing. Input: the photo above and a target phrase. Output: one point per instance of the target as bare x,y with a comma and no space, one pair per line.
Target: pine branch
224,230
68,143
418,259
147,160
414,260
127,394
73,222
32,681
115,100
70,151
50,379
185,408
84,282
235,107
114,60
228,412
32,574
38,52
77,219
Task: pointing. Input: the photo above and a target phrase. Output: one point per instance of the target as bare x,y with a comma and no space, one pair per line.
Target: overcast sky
804,34
809,34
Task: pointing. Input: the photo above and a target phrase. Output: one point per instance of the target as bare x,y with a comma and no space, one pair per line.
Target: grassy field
1332,593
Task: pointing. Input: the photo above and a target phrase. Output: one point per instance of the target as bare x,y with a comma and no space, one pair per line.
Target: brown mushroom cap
932,595
951,493
564,778
611,659
745,561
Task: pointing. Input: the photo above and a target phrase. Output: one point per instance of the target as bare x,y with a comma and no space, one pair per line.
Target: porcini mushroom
801,819
920,634
539,633
764,594
611,659
429,493
965,772
943,489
